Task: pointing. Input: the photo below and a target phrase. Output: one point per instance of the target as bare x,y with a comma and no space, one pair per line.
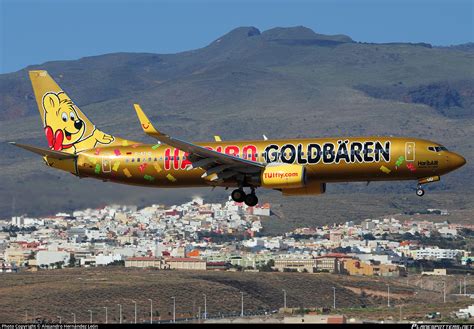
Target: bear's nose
78,124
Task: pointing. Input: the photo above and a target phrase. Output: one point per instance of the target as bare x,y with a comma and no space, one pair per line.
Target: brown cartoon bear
65,129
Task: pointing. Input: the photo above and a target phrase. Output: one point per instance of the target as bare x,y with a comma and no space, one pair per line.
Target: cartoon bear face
63,126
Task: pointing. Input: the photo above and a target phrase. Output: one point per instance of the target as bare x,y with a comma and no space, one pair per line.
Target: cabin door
105,165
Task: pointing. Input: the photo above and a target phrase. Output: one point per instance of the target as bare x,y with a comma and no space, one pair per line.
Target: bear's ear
50,102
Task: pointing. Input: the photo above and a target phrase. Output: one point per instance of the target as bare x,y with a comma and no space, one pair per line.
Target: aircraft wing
200,156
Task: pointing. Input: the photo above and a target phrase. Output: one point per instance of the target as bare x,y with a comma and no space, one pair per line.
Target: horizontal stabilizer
45,152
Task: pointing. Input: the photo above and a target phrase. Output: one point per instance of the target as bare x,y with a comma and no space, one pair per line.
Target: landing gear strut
239,195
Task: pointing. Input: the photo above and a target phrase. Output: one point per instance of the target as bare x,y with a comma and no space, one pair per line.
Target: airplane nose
455,161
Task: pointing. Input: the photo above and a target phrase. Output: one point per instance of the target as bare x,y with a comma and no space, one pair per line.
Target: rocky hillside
283,82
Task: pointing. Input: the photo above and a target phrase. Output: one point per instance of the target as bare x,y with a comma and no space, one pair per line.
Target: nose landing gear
250,199
420,191
425,180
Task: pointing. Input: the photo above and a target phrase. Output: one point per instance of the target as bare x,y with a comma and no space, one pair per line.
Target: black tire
251,200
238,195
420,192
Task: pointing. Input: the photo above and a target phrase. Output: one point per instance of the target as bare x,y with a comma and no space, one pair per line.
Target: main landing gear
239,195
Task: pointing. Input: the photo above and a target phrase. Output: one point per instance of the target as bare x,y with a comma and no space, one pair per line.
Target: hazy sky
36,31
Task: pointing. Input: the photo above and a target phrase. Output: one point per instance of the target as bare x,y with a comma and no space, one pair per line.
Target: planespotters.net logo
442,326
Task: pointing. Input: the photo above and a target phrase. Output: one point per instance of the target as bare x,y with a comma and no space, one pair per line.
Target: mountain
283,82
469,46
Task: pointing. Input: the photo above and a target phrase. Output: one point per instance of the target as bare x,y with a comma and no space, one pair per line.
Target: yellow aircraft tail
67,129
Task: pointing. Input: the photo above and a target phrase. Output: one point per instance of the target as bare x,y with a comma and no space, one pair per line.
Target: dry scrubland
61,292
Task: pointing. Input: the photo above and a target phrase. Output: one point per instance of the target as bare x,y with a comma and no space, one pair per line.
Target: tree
117,263
368,236
72,261
268,267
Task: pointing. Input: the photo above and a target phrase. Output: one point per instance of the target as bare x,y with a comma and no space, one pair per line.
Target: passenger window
133,159
138,159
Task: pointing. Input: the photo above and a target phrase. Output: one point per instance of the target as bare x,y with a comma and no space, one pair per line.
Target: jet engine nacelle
283,176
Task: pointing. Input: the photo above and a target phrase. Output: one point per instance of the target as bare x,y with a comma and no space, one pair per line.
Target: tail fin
67,129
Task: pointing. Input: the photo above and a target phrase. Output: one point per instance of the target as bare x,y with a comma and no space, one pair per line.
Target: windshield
437,148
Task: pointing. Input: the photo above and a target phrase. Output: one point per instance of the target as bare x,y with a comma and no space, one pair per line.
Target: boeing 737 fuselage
294,166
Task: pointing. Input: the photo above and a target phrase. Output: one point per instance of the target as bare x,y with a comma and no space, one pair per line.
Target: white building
102,260
21,221
435,253
47,257
95,234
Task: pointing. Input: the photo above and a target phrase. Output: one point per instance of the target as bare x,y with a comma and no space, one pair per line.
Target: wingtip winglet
144,121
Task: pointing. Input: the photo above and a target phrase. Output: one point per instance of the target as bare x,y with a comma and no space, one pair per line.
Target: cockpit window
437,148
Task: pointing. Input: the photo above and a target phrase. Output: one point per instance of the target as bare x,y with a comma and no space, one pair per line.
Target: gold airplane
293,166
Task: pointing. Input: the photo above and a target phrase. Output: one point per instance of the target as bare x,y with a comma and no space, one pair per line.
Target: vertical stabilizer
67,129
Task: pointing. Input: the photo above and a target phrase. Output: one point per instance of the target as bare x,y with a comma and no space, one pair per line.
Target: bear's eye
72,115
64,116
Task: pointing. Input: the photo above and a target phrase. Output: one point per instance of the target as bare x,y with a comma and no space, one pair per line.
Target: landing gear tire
238,195
251,200
420,191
